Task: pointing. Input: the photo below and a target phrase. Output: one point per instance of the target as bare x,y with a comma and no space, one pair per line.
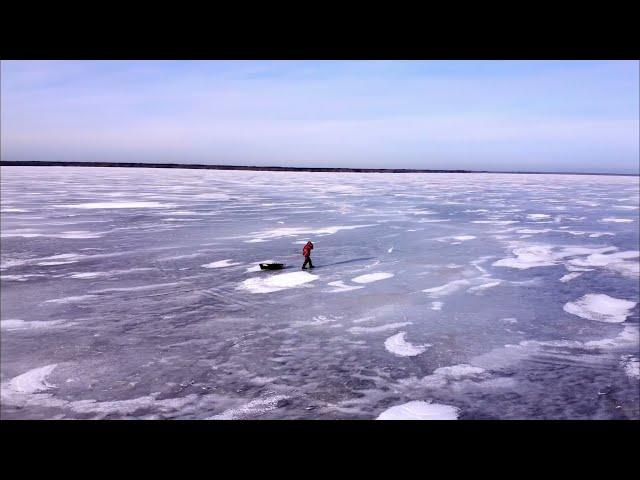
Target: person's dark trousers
307,259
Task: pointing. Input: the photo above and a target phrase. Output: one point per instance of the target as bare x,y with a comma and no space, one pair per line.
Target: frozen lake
135,293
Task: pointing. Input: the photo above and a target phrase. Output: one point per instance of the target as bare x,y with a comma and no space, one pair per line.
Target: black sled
271,266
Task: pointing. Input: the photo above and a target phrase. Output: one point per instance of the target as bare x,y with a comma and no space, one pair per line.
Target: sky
565,116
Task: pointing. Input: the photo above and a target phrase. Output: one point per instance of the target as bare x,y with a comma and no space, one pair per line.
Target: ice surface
420,410
299,231
601,307
102,276
628,337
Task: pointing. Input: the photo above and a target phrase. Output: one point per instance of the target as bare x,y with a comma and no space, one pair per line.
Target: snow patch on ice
129,406
571,268
464,238
316,321
533,231
19,278
459,371
446,289
342,287
32,381
600,307
140,288
530,256
570,276
65,256
221,264
631,366
94,205
616,220
420,410
380,328
502,357
90,275
277,282
372,277
628,337
364,319
254,408
496,222
65,300
72,234
46,264
397,345
484,286
17,324
614,261
213,196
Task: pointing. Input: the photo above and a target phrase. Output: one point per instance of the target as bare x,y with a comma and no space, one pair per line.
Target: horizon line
197,166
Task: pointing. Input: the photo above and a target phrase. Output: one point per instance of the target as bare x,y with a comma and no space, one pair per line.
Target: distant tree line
221,167
271,169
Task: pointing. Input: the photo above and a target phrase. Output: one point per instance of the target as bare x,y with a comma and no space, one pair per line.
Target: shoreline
30,163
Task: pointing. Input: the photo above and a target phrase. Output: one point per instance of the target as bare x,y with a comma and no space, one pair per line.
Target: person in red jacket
306,251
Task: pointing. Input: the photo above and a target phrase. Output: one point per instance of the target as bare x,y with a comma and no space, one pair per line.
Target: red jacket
306,251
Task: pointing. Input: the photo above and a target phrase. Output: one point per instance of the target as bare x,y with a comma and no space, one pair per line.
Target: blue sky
577,116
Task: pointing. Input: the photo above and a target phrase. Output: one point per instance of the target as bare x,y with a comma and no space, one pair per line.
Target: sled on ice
271,266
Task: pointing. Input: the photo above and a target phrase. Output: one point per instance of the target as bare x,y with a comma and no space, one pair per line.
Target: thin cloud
518,115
